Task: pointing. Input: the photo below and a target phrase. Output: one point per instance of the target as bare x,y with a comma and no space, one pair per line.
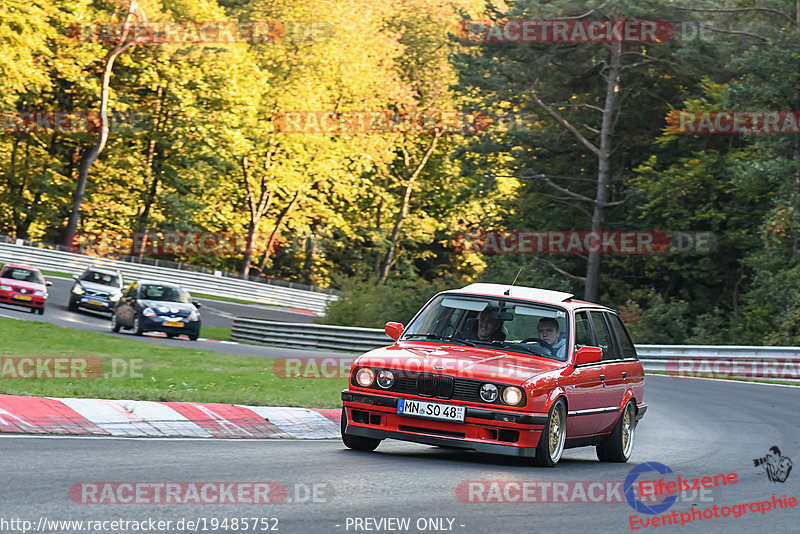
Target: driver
488,328
549,332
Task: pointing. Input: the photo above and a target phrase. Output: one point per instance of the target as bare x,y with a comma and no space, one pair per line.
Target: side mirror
588,354
48,283
75,277
394,330
197,304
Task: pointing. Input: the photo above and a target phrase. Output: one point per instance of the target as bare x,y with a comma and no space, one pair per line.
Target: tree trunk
278,224
257,207
389,259
92,153
592,287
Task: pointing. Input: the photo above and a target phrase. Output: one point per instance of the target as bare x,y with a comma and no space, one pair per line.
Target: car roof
543,296
103,271
20,266
157,283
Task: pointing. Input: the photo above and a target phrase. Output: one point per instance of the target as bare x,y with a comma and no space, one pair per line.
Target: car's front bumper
158,324
93,303
483,430
11,297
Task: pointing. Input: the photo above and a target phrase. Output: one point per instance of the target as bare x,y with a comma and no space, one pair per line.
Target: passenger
549,332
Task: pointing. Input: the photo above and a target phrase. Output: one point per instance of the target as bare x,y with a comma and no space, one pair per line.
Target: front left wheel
554,436
357,442
618,446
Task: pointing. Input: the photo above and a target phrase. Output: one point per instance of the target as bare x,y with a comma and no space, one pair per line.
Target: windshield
164,293
101,278
490,321
22,275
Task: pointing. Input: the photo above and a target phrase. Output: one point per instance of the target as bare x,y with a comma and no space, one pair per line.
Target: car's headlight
365,377
148,312
39,293
78,290
5,288
512,395
385,378
194,316
489,392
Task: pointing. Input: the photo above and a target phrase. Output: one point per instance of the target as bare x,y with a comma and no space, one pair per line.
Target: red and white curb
129,418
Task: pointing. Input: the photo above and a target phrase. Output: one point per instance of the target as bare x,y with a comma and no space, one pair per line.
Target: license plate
95,303
173,323
432,410
23,297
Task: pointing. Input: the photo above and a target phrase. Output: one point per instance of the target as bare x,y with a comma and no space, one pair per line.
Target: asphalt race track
214,313
696,427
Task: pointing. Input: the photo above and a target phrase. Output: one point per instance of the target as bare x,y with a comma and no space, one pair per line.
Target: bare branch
566,191
563,122
735,32
739,9
559,270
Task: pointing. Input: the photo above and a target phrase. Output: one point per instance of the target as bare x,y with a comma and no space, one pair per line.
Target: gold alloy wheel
627,431
556,435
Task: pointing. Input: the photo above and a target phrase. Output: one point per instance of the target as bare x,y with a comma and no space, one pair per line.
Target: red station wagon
501,369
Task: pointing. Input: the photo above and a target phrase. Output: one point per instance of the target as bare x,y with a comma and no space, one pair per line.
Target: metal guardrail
210,284
723,361
309,336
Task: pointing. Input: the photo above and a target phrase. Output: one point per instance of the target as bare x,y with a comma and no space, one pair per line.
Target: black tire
40,311
193,337
32,310
115,326
72,306
618,446
137,326
554,436
357,443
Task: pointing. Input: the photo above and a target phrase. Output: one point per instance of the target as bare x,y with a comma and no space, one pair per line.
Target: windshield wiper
429,335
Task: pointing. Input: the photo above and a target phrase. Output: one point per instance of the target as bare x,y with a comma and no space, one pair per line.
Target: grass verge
136,370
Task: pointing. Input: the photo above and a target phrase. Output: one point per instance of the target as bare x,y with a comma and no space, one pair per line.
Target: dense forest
376,147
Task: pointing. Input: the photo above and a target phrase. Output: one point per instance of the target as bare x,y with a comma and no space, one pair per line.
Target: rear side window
602,336
583,335
623,339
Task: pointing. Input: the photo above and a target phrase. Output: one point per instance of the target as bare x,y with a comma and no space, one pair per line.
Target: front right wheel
554,436
618,446
357,442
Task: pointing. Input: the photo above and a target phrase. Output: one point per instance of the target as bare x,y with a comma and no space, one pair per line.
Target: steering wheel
541,342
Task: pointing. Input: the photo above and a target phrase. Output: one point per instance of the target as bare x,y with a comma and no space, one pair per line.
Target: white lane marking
10,317
724,380
165,438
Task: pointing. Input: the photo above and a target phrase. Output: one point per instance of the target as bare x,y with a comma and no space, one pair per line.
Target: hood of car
21,284
488,364
162,307
99,288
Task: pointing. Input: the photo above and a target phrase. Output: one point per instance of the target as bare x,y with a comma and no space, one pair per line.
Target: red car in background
506,370
23,285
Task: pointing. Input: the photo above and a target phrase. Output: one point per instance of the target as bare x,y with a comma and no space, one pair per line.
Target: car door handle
603,378
624,374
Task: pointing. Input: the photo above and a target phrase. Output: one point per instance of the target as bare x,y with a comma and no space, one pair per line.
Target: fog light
489,392
365,377
512,395
385,379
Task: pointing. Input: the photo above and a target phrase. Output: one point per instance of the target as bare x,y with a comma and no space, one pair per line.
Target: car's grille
440,386
429,385
96,293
